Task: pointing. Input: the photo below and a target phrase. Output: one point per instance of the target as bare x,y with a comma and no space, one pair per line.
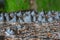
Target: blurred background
15,5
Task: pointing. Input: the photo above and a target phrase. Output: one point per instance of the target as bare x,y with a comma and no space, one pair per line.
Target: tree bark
33,5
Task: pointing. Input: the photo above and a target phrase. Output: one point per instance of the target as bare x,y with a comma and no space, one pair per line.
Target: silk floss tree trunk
33,5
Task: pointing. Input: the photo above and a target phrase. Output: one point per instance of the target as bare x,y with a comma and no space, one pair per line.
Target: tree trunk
33,5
